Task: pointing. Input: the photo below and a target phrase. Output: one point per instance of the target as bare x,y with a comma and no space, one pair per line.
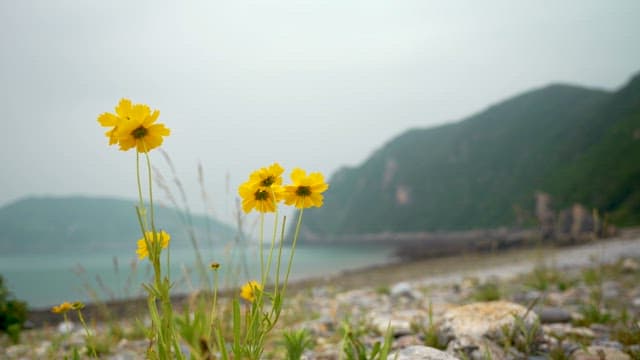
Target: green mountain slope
578,144
82,224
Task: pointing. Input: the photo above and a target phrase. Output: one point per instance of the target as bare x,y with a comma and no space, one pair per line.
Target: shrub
13,313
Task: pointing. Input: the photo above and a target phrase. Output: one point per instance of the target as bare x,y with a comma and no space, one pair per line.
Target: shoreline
446,269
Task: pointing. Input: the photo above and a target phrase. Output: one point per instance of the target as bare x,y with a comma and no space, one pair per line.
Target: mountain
84,224
576,144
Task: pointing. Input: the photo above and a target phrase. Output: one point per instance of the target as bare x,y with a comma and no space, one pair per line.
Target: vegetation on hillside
579,145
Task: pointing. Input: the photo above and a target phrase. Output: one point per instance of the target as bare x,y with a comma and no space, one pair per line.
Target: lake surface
44,280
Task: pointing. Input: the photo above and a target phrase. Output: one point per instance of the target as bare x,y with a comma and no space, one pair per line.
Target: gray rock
566,330
630,265
476,348
419,352
610,290
550,315
598,353
404,289
399,321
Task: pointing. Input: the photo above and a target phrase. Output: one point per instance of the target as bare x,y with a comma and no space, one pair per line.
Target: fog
241,84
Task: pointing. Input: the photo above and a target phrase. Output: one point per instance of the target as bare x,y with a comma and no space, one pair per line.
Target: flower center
139,132
268,181
261,195
303,191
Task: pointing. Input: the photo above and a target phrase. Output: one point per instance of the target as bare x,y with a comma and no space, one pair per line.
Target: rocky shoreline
569,303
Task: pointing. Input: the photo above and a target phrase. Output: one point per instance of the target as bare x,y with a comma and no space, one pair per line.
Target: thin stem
261,250
273,242
277,283
141,203
86,329
293,250
215,301
153,226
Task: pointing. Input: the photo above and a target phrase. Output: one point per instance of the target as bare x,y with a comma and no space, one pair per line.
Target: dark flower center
261,195
139,132
303,191
268,181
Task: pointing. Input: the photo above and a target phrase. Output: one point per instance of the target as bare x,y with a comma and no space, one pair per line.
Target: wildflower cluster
263,190
134,126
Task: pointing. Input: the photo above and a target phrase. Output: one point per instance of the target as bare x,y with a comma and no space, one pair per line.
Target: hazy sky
316,84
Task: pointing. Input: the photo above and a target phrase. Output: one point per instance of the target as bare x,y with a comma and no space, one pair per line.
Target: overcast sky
315,84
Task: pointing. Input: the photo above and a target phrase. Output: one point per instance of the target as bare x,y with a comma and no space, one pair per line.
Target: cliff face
578,145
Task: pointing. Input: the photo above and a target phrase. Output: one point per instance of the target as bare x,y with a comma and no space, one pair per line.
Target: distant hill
577,144
83,224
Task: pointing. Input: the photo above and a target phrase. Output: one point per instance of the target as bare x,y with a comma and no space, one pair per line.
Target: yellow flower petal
161,237
250,290
124,108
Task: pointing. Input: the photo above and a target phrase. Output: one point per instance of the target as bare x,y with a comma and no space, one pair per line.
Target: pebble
553,315
65,327
599,353
405,289
630,265
420,353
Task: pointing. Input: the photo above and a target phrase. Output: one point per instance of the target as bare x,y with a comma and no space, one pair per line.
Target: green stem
86,330
261,250
293,250
273,242
279,261
212,316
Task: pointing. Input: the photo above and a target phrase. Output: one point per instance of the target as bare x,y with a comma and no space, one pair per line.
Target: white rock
65,327
599,352
484,319
420,353
42,349
404,289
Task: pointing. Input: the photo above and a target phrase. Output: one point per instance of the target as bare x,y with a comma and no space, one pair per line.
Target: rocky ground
580,303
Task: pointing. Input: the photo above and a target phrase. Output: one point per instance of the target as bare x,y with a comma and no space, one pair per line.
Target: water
44,280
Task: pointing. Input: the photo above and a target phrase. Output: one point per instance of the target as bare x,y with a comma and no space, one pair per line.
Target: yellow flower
132,125
124,112
263,190
161,236
139,130
62,308
77,305
250,290
268,176
263,199
214,266
306,191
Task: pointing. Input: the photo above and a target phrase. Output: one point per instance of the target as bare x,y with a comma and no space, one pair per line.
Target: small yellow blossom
161,236
62,308
306,191
77,305
214,266
263,199
263,190
250,290
268,176
132,125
